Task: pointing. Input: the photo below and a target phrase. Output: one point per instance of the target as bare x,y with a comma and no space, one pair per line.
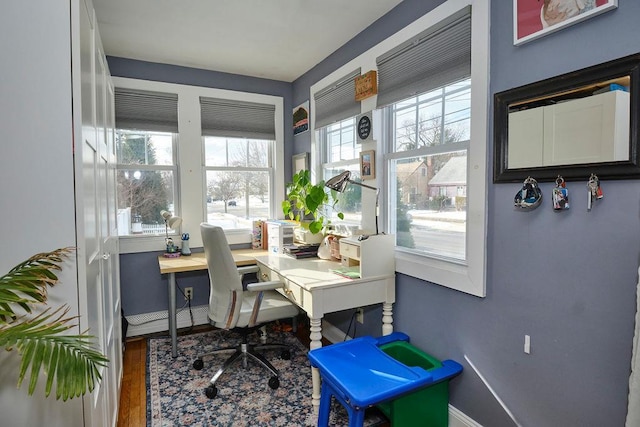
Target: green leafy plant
307,201
40,339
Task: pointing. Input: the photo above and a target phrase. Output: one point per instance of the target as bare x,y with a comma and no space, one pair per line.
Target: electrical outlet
188,294
360,315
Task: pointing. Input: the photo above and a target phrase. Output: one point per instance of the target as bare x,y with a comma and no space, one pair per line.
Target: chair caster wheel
198,364
274,382
211,391
285,355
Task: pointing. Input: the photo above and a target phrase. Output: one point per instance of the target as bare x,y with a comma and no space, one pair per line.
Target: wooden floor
133,392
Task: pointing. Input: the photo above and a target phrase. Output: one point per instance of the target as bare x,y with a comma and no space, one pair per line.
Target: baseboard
456,417
150,323
332,333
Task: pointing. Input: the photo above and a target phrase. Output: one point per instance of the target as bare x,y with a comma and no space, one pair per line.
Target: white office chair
232,307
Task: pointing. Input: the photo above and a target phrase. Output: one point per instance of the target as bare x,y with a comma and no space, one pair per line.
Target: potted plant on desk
307,202
40,339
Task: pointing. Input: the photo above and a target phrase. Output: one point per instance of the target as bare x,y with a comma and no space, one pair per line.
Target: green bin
427,407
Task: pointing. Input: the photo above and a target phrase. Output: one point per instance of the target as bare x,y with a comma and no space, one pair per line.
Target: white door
95,249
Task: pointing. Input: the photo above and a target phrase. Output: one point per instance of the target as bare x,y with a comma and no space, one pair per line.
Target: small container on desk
279,235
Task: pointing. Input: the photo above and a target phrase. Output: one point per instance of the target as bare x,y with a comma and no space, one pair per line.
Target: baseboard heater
158,321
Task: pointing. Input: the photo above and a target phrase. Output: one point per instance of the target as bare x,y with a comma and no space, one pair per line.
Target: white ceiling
273,39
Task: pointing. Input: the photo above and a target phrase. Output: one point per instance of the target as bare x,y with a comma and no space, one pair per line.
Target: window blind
224,117
337,101
436,57
145,110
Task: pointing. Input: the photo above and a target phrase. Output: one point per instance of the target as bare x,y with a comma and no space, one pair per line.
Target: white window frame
159,168
471,276
321,135
191,173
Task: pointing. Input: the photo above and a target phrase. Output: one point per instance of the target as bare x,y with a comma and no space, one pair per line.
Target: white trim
469,278
191,153
458,418
332,333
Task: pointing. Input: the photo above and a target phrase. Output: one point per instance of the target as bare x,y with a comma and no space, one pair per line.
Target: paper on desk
348,272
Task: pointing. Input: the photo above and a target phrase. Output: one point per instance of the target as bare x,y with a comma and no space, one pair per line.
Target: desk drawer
349,251
290,290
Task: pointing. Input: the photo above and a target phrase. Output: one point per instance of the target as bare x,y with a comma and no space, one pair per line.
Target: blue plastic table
359,375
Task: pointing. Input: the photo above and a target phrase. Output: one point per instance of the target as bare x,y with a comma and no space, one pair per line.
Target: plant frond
27,283
70,359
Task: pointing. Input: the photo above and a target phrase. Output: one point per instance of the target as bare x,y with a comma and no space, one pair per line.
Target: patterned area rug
175,391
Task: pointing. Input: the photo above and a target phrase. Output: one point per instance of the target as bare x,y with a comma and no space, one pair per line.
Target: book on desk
300,251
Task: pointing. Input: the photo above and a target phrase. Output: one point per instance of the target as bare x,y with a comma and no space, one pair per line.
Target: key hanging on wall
529,196
595,191
560,195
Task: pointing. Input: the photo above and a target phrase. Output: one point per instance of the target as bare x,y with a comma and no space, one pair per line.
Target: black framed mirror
572,125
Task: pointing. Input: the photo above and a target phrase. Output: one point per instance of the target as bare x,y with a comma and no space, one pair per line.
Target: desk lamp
173,222
339,184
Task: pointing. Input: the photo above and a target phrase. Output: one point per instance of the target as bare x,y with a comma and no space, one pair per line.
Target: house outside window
428,163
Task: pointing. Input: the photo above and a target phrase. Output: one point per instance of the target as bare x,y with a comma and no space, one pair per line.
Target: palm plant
40,339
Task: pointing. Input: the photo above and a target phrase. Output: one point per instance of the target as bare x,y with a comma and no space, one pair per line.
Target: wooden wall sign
366,85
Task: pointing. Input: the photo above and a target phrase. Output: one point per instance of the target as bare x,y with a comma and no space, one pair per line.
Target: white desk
308,283
311,285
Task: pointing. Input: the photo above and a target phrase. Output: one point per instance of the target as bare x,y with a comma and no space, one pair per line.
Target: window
427,166
173,121
334,120
238,178
146,181
430,132
146,141
340,152
239,139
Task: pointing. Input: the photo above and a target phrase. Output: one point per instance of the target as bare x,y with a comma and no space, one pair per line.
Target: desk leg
387,318
315,327
172,315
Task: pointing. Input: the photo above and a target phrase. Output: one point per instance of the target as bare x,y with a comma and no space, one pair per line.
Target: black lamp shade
339,182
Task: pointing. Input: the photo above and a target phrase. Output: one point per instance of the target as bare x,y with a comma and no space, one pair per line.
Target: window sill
450,274
138,244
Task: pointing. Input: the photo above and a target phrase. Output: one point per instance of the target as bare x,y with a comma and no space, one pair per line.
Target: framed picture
368,164
300,162
535,18
301,118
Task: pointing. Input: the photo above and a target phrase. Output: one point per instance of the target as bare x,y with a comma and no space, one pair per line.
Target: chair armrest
264,286
259,288
248,269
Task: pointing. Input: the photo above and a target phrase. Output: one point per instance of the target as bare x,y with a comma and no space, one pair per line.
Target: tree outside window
238,181
146,180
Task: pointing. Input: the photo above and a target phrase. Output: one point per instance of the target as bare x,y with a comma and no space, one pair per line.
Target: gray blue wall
568,280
